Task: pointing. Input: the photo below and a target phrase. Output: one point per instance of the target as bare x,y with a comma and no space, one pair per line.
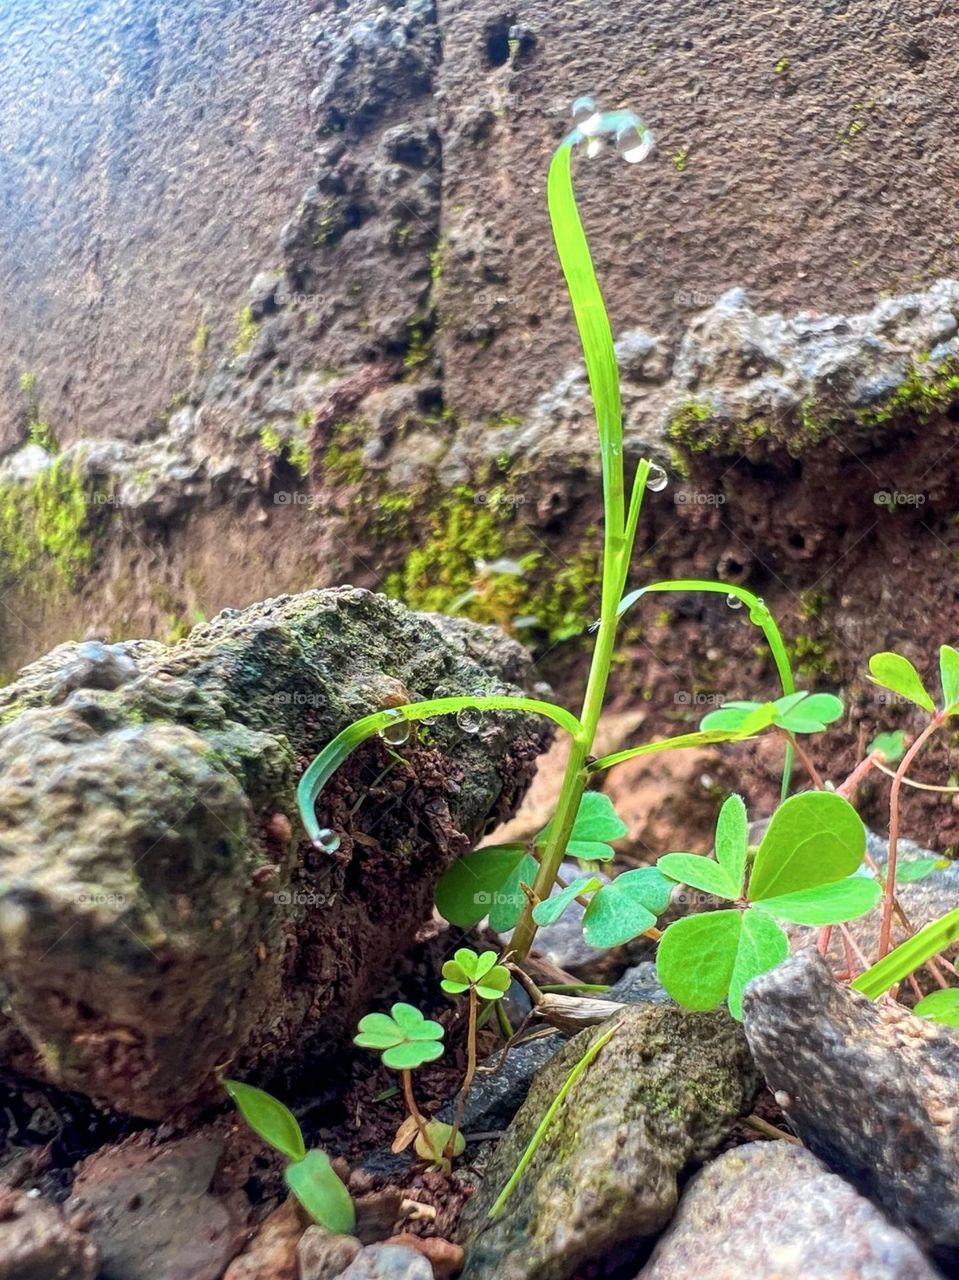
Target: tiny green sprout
308,1174
404,1037
406,1040
481,972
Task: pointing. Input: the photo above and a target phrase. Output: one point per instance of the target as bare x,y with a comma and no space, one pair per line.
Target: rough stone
36,1243
155,874
389,1262
870,1089
663,1094
773,1209
444,1257
151,1212
321,1255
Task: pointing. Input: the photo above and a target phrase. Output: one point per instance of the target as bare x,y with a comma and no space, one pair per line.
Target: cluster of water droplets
758,613
632,139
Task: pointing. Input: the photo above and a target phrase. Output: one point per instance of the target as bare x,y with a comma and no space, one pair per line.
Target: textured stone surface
772,1209
37,1244
662,1095
275,1252
320,1255
154,871
869,1088
389,1262
151,1214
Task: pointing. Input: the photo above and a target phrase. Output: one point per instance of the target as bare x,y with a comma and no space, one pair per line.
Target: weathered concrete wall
150,151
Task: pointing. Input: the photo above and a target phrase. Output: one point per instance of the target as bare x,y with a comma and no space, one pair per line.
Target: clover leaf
940,1006
404,1037
467,969
801,712
597,822
803,873
897,674
892,745
487,883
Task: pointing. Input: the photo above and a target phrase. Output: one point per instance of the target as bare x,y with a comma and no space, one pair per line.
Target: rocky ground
156,878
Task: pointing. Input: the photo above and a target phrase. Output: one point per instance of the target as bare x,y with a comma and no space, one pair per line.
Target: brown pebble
445,1258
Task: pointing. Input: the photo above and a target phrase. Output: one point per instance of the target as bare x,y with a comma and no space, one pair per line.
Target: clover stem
889,889
847,789
805,760
468,1078
407,1077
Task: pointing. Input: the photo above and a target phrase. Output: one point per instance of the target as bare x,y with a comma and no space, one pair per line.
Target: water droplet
396,733
633,142
734,602
657,480
469,720
758,613
327,841
583,108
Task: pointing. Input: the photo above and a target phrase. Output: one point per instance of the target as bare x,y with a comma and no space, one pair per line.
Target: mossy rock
160,909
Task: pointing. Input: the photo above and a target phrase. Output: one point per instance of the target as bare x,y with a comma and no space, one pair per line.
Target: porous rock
661,1096
772,1209
151,1213
870,1088
155,875
36,1243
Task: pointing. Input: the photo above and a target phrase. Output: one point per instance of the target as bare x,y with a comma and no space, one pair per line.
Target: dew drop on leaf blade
633,143
734,602
397,733
657,480
327,840
468,720
583,108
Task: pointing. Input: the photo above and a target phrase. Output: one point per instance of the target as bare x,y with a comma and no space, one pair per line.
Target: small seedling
481,978
406,1040
309,1174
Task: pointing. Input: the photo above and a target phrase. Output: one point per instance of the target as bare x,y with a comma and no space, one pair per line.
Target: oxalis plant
807,867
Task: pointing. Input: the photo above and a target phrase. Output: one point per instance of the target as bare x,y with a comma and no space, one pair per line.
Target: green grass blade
547,1120
759,615
909,956
703,738
596,336
332,756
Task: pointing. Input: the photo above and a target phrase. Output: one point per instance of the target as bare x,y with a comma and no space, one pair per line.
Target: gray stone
388,1262
664,1092
772,1209
639,985
321,1255
155,874
151,1214
36,1243
869,1087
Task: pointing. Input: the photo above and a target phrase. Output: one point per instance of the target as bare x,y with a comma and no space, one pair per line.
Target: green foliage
486,882
909,956
940,1006
919,868
268,1118
467,969
892,744
892,671
309,1174
596,823
626,908
795,712
322,1194
403,1036
803,872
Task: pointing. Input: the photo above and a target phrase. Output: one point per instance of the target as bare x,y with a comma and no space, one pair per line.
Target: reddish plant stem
805,760
847,789
889,892
407,1078
468,1078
